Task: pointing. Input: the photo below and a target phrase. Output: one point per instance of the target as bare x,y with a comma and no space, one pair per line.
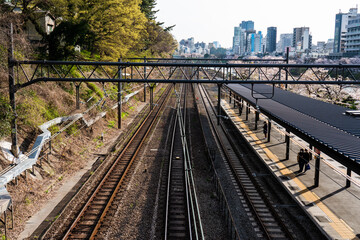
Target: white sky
211,20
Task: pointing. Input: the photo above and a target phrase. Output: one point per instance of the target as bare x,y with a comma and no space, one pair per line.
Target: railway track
182,215
264,217
93,213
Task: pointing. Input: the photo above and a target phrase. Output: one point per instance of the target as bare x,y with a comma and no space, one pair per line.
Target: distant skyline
210,20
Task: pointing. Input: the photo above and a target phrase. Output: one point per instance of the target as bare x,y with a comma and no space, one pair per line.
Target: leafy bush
95,89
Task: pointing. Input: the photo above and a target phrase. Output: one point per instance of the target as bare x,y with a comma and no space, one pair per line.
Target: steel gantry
151,71
170,70
29,72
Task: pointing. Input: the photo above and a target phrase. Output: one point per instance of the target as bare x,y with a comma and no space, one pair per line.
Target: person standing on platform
265,129
307,160
301,160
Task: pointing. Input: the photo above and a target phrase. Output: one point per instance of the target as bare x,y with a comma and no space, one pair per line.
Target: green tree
147,7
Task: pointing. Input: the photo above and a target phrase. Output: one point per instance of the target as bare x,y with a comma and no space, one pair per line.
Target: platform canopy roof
325,126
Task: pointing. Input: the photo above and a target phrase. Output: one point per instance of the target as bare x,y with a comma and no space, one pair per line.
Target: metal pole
269,131
348,172
151,97
145,79
5,223
218,105
119,97
77,87
247,112
280,76
287,140
287,69
240,106
256,119
317,170
12,90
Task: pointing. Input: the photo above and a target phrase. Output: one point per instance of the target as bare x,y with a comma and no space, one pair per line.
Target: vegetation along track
90,218
182,217
264,217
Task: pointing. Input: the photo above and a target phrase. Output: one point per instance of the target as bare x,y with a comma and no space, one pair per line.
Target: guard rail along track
90,218
182,220
268,224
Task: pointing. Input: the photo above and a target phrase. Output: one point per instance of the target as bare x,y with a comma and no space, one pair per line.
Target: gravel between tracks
139,210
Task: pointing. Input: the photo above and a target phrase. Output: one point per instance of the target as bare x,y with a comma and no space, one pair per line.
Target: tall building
329,46
302,39
320,46
247,25
255,42
352,36
286,40
271,39
240,38
341,22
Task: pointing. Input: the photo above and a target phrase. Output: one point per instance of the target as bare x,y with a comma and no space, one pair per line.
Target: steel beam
12,90
151,97
201,81
317,171
348,173
219,104
77,88
269,131
145,79
287,69
119,97
256,118
287,141
190,64
247,111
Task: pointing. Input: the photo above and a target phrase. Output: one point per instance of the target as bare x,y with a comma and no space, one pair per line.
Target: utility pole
12,90
145,80
119,96
287,69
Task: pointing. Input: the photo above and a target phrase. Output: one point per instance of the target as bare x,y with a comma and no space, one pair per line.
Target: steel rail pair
271,225
94,211
182,218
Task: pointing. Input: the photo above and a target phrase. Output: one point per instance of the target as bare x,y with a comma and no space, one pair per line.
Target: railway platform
331,205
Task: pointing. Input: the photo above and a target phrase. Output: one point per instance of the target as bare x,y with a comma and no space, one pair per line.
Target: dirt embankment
71,151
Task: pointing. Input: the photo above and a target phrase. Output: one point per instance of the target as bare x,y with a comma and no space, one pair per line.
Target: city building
271,39
247,25
241,35
255,42
329,46
352,37
341,22
302,39
286,40
320,47
216,44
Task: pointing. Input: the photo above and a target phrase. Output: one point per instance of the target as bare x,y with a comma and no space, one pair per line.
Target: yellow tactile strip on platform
336,223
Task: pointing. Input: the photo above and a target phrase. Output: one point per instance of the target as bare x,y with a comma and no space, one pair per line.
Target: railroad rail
182,215
90,218
269,224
